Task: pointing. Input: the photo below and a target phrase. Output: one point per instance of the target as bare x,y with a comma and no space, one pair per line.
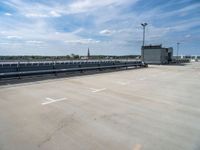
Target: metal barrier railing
80,67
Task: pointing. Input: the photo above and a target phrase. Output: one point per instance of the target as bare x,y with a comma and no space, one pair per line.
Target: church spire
88,54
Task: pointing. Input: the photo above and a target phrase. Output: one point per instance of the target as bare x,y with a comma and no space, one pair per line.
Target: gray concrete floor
155,108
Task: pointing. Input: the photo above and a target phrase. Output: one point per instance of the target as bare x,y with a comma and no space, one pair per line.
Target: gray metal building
156,54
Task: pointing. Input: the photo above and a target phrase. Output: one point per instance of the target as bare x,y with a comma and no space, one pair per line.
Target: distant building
156,54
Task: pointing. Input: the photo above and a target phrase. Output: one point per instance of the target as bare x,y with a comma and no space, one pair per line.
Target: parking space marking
97,90
50,100
154,75
142,78
123,83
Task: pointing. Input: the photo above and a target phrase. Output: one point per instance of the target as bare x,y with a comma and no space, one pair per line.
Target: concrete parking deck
156,108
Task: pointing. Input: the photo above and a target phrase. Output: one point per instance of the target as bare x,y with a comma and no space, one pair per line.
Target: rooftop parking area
155,108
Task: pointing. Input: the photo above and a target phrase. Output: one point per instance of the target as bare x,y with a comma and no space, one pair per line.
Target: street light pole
177,48
143,42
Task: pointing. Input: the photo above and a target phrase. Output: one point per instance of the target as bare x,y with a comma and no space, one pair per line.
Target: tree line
66,57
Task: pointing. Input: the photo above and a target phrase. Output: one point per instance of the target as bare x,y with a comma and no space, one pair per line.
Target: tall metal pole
177,48
143,42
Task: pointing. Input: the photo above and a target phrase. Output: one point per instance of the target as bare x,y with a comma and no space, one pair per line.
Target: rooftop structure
156,54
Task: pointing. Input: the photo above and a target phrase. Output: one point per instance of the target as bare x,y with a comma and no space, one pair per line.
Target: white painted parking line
154,75
50,100
97,90
142,78
123,83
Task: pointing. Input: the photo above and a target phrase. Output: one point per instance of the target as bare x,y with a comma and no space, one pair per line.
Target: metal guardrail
81,67
178,61
66,61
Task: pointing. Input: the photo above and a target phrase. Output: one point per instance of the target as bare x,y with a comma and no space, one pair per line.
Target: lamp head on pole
144,24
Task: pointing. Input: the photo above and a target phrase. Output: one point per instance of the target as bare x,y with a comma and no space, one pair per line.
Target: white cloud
178,12
2,32
55,14
106,32
184,25
56,9
35,15
4,43
90,5
82,41
156,32
188,36
43,15
34,42
8,14
34,9
13,37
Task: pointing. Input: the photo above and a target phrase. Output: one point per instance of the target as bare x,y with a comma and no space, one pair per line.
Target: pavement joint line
50,100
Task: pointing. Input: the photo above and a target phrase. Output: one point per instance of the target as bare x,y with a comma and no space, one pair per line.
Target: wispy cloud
81,41
91,5
106,32
13,37
34,42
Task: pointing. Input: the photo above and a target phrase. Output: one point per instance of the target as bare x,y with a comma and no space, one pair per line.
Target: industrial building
156,54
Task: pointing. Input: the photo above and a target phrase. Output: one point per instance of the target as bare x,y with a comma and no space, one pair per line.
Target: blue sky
110,27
